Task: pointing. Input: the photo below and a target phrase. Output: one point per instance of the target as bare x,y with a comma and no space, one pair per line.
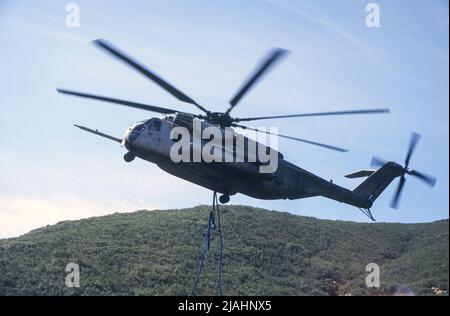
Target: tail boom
368,191
375,184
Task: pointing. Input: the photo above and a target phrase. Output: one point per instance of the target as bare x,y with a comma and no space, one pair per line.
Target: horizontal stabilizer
360,174
96,132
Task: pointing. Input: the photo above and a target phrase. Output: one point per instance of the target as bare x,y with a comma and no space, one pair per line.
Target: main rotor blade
149,74
142,106
372,111
377,162
293,138
430,180
398,193
412,146
274,55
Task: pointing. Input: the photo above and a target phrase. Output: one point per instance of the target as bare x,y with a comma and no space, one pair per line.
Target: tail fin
360,174
376,183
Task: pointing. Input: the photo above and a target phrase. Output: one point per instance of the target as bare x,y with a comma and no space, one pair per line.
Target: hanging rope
205,251
207,244
219,262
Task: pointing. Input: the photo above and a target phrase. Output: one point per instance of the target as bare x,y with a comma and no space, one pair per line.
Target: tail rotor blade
412,146
398,193
403,171
430,180
377,162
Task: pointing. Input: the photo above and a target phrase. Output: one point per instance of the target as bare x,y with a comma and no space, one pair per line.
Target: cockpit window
154,126
139,127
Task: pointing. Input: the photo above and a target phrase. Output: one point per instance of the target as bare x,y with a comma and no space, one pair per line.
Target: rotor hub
219,118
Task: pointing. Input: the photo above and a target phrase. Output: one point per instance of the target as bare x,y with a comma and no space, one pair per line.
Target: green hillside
265,253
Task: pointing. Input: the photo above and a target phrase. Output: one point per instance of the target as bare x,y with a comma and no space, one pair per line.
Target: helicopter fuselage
150,140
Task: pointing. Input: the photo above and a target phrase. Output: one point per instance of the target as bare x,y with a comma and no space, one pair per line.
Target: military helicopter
151,140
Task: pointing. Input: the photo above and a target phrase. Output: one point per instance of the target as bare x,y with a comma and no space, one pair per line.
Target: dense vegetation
265,253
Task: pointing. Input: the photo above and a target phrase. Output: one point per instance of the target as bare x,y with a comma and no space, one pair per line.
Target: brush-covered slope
265,253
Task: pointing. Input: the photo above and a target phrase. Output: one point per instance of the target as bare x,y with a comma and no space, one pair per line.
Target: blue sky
52,171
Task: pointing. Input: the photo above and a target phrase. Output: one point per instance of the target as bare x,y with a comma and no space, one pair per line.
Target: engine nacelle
183,119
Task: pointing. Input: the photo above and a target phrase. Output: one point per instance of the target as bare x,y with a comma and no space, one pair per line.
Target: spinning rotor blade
293,138
377,162
412,146
430,180
149,74
398,193
152,108
372,111
275,55
402,171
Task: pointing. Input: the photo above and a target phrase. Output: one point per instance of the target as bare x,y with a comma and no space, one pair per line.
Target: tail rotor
427,179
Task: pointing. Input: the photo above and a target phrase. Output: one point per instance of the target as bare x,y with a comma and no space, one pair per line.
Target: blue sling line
206,248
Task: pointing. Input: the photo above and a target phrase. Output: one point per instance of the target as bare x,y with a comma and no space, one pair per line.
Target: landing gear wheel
224,198
129,157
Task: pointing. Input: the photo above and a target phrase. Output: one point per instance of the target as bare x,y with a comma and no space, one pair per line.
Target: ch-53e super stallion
151,140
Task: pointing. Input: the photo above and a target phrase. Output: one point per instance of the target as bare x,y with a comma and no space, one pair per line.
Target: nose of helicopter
126,135
131,134
125,138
